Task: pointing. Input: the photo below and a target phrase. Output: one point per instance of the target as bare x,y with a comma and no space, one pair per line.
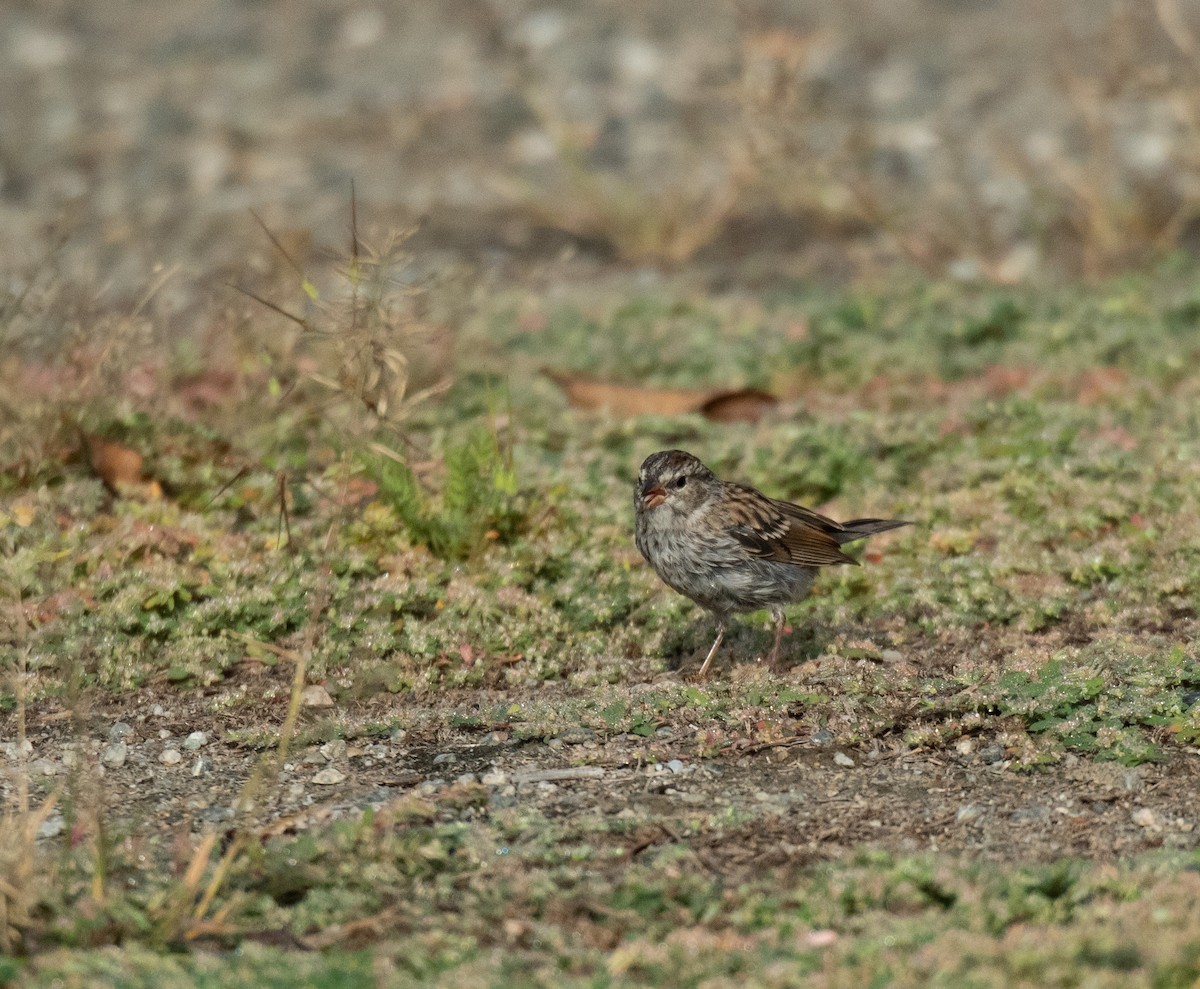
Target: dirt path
800,801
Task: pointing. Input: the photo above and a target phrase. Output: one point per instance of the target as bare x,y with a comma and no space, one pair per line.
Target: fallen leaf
23,513
743,405
299,821
954,542
1000,381
120,468
1120,437
116,464
355,933
206,390
797,329
740,405
628,400
1101,385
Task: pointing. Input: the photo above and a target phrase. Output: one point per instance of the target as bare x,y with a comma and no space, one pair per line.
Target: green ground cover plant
461,582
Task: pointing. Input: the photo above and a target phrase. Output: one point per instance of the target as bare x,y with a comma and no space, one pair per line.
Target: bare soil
795,802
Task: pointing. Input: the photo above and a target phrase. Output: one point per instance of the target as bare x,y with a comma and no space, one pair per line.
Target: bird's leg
773,658
715,646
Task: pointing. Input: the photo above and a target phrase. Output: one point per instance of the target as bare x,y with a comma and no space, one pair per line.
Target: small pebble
334,749
891,656
196,740
119,730
328,776
964,746
158,711
114,755
1144,817
444,757
991,755
676,766
428,788
466,778
13,751
967,813
822,736
163,734
495,738
200,766
556,743
170,757
51,827
821,938
315,696
577,735
1133,780
44,767
494,777
399,735
843,760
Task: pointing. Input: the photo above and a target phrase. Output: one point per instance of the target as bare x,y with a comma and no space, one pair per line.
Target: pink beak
653,497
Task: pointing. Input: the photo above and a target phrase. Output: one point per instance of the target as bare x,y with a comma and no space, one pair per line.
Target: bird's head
673,478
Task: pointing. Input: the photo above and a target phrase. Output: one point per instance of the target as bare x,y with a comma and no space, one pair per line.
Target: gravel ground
166,768
143,132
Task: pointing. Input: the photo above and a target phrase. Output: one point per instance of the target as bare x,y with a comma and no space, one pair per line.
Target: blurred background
997,140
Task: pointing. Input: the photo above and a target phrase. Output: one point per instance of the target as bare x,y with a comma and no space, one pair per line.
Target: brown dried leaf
742,405
120,468
625,400
1101,385
354,933
23,512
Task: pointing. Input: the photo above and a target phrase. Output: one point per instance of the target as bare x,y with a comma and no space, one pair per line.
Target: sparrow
728,546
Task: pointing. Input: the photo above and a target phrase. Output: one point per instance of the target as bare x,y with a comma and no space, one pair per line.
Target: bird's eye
680,482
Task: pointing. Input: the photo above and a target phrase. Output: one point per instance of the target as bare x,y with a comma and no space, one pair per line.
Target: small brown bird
729,547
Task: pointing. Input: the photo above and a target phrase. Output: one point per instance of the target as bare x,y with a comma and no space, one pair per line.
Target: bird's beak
653,496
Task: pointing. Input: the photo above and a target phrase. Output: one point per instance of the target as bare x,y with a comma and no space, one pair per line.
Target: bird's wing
786,533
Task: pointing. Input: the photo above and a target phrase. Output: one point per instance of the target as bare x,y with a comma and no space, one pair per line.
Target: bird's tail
861,528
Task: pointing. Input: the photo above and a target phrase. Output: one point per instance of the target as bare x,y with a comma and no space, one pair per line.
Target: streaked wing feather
786,533
807,516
